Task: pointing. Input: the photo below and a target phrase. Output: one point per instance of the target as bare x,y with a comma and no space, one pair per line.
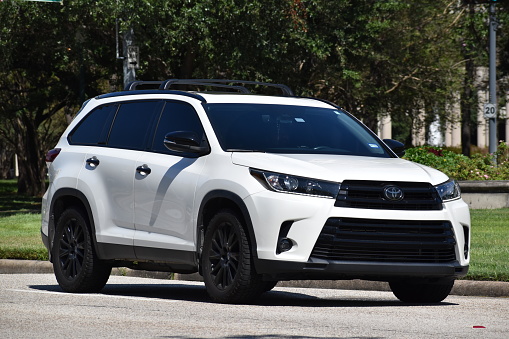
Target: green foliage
372,57
460,167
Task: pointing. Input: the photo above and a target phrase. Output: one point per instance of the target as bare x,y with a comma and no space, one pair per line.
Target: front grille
370,194
350,239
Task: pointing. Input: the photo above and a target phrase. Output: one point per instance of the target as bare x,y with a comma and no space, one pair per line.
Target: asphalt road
33,306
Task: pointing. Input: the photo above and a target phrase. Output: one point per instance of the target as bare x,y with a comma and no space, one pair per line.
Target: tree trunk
468,106
31,180
6,157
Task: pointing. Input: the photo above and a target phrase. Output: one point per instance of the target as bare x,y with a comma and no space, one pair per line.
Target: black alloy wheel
72,249
224,255
75,263
227,266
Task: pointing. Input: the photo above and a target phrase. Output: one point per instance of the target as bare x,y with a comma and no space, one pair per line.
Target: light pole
130,52
493,78
130,57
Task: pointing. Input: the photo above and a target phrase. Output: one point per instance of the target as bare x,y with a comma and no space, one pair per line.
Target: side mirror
186,141
396,146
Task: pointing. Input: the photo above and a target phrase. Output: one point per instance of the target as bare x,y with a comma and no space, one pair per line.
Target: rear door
110,167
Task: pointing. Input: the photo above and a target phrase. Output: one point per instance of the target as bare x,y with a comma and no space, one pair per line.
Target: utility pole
130,57
130,54
493,80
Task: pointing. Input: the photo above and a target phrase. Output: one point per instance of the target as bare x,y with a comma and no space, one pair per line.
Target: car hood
340,167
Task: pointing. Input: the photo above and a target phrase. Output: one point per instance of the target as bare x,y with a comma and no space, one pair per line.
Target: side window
94,128
132,125
176,116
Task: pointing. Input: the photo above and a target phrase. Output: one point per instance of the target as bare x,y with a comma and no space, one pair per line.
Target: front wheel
421,292
227,267
76,266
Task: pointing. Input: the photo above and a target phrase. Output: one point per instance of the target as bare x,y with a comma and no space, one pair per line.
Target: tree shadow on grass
11,204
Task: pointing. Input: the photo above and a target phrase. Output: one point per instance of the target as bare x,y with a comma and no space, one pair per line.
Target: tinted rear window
133,124
94,128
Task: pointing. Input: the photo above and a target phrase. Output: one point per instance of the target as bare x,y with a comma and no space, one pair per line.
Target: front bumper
336,270
308,216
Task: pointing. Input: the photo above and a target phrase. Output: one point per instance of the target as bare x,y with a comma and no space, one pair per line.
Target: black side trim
149,259
165,255
107,251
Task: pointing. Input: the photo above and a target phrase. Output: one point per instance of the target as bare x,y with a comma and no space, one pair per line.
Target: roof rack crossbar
285,89
132,85
216,82
198,82
220,83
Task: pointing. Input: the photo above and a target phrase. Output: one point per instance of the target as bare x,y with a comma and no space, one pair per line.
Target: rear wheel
227,267
421,292
75,263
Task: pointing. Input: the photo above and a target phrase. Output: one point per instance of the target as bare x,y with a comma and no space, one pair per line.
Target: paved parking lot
33,306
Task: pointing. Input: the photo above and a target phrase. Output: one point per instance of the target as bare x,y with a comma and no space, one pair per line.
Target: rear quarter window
94,128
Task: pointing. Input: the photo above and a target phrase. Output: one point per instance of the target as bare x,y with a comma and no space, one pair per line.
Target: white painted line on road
95,295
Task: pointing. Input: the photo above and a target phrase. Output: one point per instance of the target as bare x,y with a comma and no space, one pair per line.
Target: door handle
143,169
93,162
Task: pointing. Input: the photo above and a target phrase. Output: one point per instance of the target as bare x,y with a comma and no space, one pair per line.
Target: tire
76,266
228,270
421,292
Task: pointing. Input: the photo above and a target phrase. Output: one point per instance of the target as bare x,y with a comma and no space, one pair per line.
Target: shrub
460,167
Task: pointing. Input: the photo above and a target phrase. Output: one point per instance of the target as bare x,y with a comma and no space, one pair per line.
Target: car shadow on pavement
197,293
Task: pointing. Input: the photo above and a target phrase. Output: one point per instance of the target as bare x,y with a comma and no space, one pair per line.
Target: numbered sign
490,111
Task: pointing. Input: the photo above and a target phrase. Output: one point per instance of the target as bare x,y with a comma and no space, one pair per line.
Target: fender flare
56,209
233,199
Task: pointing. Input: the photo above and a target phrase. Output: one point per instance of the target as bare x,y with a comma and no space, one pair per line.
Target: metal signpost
491,108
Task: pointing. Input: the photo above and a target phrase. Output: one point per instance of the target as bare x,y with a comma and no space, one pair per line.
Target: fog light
284,245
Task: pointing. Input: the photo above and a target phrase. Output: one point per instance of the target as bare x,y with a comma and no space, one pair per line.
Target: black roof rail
220,83
151,91
200,82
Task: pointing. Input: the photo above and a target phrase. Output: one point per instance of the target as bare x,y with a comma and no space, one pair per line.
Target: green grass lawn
490,245
20,236
20,224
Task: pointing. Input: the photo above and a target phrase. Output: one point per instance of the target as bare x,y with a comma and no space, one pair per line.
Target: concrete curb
461,287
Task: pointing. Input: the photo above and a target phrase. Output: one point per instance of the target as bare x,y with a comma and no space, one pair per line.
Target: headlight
449,190
299,185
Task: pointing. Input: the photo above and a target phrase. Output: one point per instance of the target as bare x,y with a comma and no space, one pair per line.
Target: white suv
247,190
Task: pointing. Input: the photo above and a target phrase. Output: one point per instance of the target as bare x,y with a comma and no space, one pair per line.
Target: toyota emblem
393,193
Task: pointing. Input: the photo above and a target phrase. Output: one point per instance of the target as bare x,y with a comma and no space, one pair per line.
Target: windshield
291,129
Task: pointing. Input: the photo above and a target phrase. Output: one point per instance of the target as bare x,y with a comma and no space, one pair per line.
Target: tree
42,71
372,57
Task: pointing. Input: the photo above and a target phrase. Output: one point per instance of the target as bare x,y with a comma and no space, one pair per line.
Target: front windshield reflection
291,130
